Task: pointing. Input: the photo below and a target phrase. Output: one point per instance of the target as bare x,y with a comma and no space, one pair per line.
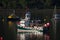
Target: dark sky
53,2
58,3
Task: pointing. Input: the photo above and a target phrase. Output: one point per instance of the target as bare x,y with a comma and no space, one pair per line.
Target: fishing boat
23,25
23,28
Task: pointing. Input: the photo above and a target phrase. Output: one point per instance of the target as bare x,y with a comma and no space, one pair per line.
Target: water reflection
22,36
12,30
29,36
10,23
25,36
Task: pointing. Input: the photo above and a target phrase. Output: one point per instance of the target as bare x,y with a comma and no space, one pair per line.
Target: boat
29,29
23,25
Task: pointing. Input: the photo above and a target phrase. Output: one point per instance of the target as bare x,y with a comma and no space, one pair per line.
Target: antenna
54,11
54,21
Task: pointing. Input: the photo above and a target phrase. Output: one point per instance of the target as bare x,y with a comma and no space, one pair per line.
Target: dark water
13,34
29,36
10,33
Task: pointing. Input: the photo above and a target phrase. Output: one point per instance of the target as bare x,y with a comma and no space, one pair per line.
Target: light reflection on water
29,36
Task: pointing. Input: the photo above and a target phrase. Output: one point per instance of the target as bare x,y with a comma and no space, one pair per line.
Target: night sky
37,4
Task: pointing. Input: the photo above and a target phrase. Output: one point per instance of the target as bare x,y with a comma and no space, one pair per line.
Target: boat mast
54,22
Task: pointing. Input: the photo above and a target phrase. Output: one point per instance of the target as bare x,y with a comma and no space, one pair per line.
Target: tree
47,3
9,3
4,3
23,3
